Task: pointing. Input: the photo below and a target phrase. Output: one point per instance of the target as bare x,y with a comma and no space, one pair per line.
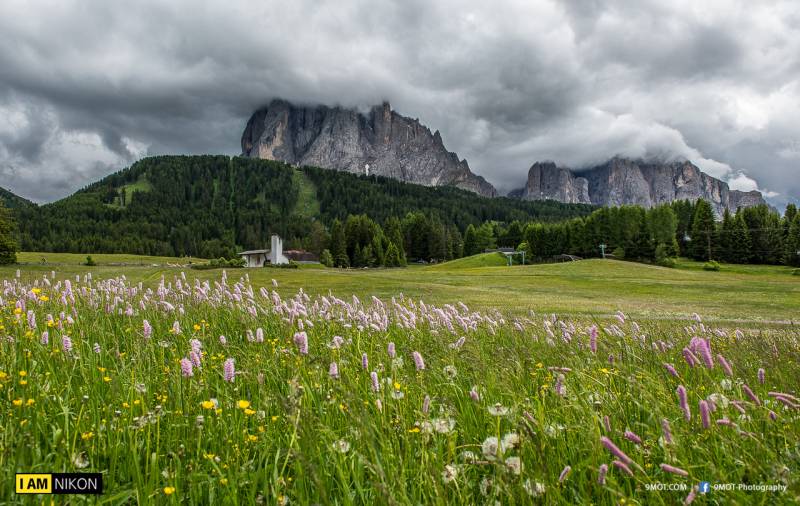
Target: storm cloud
88,87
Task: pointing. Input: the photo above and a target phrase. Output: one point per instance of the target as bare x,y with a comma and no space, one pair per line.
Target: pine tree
792,251
742,252
703,228
326,258
392,256
8,245
788,217
726,245
339,245
470,241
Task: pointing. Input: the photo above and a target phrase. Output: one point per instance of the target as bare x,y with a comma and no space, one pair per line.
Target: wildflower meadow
220,392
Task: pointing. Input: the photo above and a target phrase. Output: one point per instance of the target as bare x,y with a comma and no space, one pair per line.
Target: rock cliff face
379,142
547,181
624,181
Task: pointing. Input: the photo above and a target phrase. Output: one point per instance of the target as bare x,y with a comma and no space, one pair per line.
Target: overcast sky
87,87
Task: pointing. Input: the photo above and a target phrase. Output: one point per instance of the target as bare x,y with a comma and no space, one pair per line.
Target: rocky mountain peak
621,181
381,142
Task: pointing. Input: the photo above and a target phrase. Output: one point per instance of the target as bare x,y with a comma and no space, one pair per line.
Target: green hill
473,262
209,206
12,201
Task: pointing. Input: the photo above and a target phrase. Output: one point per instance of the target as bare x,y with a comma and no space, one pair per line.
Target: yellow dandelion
30,402
274,418
207,405
17,402
243,404
413,430
249,412
106,379
23,373
87,435
169,490
252,438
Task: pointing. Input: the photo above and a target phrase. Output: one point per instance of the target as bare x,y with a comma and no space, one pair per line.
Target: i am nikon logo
59,483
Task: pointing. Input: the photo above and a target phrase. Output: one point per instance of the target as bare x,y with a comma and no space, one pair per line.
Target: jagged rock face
380,142
622,181
547,181
737,199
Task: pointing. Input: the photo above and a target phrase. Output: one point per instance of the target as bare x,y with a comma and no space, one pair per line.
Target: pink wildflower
229,370
186,368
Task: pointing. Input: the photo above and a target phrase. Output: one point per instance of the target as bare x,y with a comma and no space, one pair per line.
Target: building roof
254,252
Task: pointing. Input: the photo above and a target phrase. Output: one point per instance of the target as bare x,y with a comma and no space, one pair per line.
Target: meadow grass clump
222,392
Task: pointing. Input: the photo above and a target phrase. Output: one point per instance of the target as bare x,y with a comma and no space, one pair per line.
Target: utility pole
603,250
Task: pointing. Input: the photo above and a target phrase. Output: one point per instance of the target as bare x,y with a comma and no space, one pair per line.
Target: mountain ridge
380,142
626,181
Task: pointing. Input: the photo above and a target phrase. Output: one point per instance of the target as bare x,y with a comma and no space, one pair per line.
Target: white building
259,257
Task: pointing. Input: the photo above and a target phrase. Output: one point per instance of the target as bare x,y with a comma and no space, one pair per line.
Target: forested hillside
210,206
13,201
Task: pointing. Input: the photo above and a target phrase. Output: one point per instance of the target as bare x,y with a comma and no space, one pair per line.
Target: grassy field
228,392
588,287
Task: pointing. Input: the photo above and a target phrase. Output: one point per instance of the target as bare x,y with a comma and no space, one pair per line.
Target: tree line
213,206
8,243
682,228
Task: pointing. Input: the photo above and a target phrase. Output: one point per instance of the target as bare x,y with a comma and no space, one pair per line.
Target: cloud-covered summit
87,87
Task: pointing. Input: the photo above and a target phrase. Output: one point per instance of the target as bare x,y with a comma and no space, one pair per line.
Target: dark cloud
91,86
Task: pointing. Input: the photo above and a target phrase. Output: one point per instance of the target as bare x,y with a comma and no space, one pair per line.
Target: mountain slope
381,142
12,201
623,181
208,206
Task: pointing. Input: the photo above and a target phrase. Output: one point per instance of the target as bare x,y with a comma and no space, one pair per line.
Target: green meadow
577,383
738,293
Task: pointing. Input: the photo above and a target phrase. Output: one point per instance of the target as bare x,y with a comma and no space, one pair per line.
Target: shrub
291,265
619,252
89,261
795,272
326,258
711,265
662,256
220,263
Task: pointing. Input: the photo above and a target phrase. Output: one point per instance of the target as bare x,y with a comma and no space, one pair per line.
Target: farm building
260,257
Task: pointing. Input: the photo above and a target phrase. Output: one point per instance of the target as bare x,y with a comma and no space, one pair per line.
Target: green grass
587,287
471,262
283,429
43,260
307,204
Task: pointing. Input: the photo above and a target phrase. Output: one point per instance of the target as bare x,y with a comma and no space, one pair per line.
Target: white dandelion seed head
510,440
534,489
490,447
498,410
514,465
341,446
449,474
